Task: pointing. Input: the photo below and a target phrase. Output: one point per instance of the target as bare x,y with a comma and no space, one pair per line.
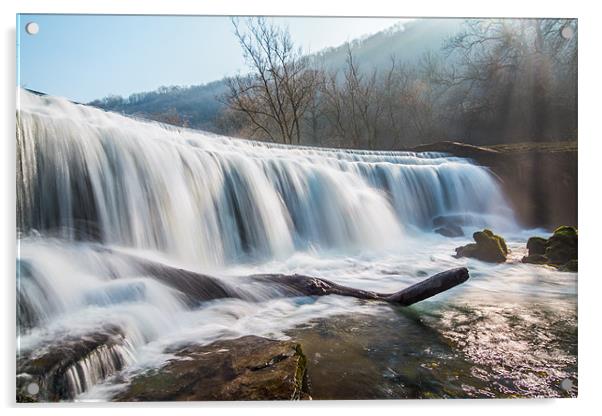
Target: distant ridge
199,106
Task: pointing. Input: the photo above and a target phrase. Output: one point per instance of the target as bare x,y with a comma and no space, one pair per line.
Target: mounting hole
567,32
32,28
33,388
566,384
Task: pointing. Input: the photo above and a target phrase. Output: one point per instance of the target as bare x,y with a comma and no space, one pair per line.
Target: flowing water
93,186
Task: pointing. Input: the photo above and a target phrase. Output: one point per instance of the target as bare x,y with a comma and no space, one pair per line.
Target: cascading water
210,200
93,184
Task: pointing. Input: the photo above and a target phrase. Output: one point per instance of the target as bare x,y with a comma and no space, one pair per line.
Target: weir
93,184
83,173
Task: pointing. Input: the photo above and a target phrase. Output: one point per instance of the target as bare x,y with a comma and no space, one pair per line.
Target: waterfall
90,183
204,199
100,364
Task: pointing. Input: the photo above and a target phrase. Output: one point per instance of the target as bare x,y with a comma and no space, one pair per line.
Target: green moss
301,386
469,250
566,231
502,244
487,236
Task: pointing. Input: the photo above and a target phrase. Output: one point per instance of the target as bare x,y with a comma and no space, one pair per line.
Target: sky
84,57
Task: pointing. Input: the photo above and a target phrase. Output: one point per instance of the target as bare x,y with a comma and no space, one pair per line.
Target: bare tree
275,96
507,71
498,80
354,104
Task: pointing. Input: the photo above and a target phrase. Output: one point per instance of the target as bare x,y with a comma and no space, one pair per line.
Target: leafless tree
497,80
354,104
275,96
509,70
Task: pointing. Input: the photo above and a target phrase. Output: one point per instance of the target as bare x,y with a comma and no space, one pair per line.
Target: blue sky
83,57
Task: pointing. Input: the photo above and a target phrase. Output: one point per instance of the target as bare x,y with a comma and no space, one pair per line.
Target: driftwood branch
200,287
313,286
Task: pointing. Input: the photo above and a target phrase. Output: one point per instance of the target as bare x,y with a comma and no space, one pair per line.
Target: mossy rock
537,245
560,250
560,253
562,246
487,235
489,247
469,250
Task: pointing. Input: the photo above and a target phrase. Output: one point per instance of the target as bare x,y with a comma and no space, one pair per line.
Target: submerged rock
450,230
560,250
247,368
451,225
488,247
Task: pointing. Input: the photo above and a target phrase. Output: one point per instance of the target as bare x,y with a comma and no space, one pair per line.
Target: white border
590,278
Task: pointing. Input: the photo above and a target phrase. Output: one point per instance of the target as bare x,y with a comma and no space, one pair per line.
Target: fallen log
313,286
430,287
200,287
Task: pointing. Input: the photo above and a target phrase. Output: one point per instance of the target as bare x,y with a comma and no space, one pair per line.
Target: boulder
536,245
562,246
488,247
560,250
247,368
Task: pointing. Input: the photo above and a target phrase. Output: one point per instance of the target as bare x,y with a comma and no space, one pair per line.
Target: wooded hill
477,81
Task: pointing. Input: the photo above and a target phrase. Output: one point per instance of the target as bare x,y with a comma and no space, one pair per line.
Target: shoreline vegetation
485,81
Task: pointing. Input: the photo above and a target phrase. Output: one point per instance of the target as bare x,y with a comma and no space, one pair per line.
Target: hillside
407,43
199,106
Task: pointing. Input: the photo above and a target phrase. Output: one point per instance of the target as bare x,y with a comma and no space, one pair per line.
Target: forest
487,82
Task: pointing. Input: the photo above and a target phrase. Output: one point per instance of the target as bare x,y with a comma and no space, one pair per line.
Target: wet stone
247,368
